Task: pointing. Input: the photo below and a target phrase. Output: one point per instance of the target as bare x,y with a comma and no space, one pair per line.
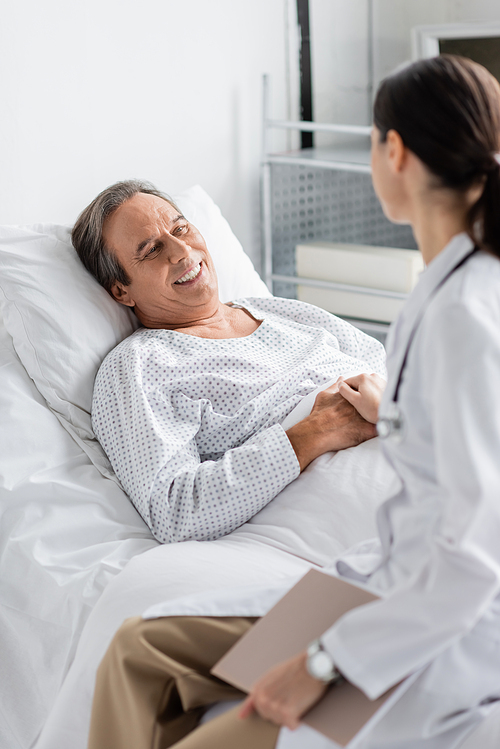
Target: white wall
339,32
170,90
166,90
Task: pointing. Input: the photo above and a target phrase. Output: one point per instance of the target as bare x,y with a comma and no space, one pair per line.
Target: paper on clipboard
344,714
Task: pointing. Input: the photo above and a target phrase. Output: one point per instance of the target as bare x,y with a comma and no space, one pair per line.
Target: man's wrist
310,439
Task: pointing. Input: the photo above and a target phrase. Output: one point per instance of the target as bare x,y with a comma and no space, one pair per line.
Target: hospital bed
75,557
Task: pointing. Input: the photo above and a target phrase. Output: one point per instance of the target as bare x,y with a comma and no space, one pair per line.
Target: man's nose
178,250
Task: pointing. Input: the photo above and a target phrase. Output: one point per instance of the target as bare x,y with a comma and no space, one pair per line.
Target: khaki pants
154,684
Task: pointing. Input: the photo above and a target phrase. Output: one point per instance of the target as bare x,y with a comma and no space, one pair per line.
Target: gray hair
87,232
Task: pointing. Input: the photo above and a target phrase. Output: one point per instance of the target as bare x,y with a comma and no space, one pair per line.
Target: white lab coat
437,562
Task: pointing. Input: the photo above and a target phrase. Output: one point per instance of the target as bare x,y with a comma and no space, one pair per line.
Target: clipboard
313,605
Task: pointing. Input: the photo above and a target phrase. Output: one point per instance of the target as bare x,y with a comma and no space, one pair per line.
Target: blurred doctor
437,562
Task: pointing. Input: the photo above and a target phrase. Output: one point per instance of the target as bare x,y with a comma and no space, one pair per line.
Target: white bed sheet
65,532
164,573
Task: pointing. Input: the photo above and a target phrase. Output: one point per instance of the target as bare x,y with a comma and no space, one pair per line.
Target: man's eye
181,229
152,251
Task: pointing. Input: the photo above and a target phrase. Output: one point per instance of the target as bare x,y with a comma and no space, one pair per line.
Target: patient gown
192,426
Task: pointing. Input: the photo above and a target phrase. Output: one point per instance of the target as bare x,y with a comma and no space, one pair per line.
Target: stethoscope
393,423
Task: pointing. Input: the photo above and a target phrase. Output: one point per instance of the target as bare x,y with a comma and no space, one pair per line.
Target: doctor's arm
284,694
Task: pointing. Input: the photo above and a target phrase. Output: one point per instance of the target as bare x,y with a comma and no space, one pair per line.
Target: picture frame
478,41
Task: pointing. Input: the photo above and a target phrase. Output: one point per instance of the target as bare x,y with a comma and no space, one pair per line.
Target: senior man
188,409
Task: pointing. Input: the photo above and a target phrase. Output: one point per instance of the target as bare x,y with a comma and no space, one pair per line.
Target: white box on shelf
383,268
386,268
351,304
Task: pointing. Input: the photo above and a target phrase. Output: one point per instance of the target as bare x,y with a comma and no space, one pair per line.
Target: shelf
344,158
318,127
348,152
297,280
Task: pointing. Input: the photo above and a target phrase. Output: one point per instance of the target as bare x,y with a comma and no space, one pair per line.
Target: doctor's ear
396,150
121,294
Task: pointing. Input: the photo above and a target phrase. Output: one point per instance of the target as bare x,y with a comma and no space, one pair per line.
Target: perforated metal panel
320,204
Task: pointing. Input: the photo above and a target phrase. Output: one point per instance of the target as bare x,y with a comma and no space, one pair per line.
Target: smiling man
189,408
189,411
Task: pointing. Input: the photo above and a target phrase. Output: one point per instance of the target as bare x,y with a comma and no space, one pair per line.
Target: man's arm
204,500
152,443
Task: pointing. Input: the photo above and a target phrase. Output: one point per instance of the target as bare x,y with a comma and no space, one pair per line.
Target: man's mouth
190,275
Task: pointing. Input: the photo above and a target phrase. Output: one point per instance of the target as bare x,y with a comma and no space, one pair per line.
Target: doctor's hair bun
447,111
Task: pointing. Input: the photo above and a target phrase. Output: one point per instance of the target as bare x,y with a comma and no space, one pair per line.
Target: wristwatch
320,664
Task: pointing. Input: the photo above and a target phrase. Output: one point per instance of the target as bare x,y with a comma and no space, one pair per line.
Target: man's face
173,280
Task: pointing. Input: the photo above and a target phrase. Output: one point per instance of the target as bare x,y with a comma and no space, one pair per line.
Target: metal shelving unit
320,194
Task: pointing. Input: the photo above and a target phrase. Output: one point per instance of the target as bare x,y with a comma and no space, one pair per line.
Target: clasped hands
347,412
343,415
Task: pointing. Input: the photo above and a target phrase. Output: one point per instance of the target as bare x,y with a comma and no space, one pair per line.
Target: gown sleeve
150,437
378,645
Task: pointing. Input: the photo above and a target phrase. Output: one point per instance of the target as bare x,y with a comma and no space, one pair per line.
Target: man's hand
363,392
333,424
284,694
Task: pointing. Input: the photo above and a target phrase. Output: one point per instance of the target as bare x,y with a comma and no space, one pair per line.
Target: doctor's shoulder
465,315
476,287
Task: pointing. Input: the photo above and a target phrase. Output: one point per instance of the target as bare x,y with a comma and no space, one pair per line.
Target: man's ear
121,294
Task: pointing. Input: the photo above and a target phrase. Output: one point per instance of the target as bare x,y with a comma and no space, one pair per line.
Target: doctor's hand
363,392
284,694
333,424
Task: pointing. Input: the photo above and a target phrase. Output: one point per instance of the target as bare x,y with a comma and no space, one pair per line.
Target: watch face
321,665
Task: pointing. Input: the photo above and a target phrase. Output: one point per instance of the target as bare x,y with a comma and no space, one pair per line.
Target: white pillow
63,323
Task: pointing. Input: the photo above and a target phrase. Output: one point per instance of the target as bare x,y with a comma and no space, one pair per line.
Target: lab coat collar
458,247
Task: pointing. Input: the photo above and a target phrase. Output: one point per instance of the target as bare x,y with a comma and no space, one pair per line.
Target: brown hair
87,231
447,111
